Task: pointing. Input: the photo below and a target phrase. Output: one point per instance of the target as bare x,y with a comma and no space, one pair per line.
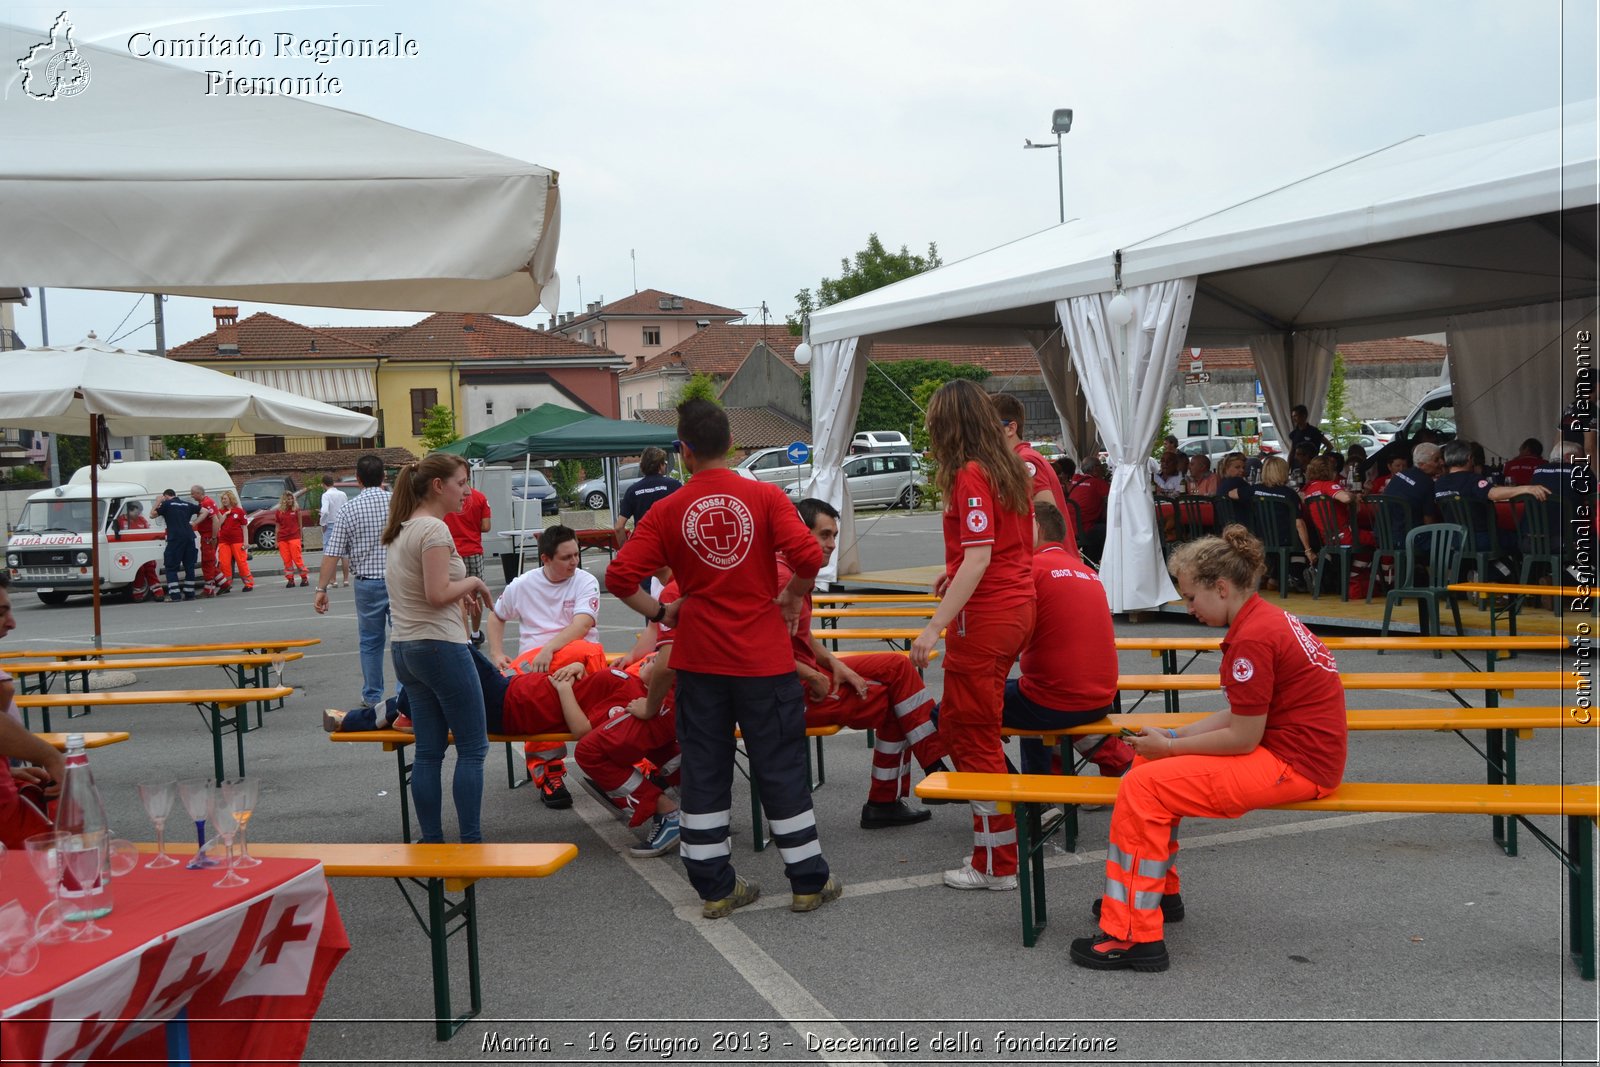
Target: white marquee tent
1488,233
143,182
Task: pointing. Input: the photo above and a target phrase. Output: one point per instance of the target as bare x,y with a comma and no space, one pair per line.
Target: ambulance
48,550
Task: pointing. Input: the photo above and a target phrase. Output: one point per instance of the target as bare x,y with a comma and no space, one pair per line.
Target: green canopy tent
529,423
590,436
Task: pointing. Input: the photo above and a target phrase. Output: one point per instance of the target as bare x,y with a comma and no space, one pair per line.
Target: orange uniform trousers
1155,795
294,562
979,648
899,710
229,555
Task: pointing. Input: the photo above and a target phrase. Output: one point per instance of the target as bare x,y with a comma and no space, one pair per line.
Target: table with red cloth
247,966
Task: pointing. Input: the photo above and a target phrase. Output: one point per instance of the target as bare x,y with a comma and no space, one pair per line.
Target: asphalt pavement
1309,938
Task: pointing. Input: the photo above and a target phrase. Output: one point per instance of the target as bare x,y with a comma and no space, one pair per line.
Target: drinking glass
19,945
158,797
196,794
242,795
45,857
226,823
83,862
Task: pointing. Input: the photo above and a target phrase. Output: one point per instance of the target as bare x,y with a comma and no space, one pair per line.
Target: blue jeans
1020,713
372,623
445,698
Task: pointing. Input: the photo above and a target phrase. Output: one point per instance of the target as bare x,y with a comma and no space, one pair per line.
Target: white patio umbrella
90,388
141,180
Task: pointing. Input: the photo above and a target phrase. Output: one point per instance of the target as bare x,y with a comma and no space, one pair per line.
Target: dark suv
259,494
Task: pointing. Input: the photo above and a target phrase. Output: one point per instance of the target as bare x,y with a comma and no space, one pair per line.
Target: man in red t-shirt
1529,458
1090,490
720,534
208,526
1069,666
1046,485
877,691
467,527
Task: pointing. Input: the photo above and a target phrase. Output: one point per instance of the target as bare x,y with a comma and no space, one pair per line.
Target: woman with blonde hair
286,519
427,582
232,551
986,608
1282,739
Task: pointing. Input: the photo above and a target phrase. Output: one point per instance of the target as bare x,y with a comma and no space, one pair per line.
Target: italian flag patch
974,501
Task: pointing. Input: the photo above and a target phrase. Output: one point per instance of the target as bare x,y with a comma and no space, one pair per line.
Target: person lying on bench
878,691
1282,739
520,704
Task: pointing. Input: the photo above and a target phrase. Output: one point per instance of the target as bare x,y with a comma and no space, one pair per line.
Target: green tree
889,391
1161,434
439,428
565,476
873,268
700,386
1340,427
195,446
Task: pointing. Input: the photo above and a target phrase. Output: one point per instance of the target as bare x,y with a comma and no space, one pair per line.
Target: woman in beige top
427,582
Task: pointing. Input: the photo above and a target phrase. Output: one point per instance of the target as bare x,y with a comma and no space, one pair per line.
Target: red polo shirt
532,705
466,525
1090,494
1273,666
973,516
800,641
1070,662
1044,478
720,534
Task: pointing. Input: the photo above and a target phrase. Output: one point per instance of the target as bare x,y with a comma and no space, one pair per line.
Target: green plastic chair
1446,542
1191,521
1229,511
1390,547
1476,517
1337,519
1273,521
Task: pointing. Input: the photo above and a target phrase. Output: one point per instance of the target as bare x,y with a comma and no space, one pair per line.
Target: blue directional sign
799,452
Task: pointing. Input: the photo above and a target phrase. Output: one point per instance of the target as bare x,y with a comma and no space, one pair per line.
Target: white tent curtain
1511,373
1126,372
838,371
1294,368
1061,379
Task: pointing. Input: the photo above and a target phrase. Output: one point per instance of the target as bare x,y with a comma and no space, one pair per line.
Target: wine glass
19,945
83,865
158,797
227,823
242,795
45,857
196,794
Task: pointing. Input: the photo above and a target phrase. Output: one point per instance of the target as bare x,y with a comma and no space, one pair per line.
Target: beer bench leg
441,913
1580,881
404,772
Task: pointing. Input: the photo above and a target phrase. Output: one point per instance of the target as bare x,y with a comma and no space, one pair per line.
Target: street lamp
1060,123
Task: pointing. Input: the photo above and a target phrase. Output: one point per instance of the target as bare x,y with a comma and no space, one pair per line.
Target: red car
263,528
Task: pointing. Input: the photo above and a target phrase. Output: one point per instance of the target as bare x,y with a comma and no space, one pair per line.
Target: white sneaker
967,877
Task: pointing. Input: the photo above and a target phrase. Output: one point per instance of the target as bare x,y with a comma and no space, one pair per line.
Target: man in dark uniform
1303,433
1414,485
1571,501
643,494
1462,480
181,551
721,534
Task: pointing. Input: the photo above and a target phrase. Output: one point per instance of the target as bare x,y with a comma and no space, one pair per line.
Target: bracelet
323,588
1172,733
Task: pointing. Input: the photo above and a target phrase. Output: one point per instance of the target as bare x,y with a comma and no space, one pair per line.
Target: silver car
592,493
772,465
879,479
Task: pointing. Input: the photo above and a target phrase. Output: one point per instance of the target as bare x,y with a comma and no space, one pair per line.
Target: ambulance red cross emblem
123,560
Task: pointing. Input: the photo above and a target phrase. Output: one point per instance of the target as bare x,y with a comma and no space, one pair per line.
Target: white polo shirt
542,608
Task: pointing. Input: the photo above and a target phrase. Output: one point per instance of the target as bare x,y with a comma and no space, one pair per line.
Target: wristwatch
323,588
661,613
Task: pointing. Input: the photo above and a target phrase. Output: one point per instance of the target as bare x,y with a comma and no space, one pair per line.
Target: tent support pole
94,519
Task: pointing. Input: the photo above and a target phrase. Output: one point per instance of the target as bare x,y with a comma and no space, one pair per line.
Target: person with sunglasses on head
720,534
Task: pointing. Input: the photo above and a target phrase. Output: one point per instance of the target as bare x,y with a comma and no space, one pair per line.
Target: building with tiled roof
644,324
1383,379
487,370
752,427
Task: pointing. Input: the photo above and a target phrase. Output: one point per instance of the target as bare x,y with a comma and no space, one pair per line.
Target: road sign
1197,378
1196,366
798,453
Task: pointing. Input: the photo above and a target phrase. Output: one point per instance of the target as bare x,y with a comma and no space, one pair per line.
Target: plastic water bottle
85,855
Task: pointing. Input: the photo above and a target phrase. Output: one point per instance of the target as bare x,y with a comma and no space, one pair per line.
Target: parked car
880,441
1270,444
1214,447
1382,429
592,493
772,465
259,493
1048,449
881,479
533,485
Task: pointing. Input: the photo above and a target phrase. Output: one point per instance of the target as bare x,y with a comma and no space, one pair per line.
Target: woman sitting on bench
1281,740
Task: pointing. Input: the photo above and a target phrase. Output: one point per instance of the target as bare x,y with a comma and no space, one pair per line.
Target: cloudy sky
741,149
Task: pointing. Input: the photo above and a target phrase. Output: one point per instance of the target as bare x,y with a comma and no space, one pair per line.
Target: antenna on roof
634,256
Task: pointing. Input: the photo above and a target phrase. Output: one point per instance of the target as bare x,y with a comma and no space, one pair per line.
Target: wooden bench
846,599
163,650
1580,596
437,870
602,538
211,703
245,669
1028,794
90,739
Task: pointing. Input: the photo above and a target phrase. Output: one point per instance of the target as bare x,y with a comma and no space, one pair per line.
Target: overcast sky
742,149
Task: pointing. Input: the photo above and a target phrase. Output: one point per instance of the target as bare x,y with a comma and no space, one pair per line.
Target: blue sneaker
663,837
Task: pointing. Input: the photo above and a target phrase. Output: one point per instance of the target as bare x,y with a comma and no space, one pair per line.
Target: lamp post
1060,123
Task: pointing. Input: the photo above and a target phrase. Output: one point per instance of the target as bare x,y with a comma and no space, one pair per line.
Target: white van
48,550
1220,420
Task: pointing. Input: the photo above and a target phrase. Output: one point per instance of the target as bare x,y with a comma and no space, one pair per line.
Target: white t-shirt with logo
542,608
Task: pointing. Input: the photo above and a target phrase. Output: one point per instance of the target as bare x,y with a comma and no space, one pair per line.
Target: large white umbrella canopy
57,389
143,182
78,389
